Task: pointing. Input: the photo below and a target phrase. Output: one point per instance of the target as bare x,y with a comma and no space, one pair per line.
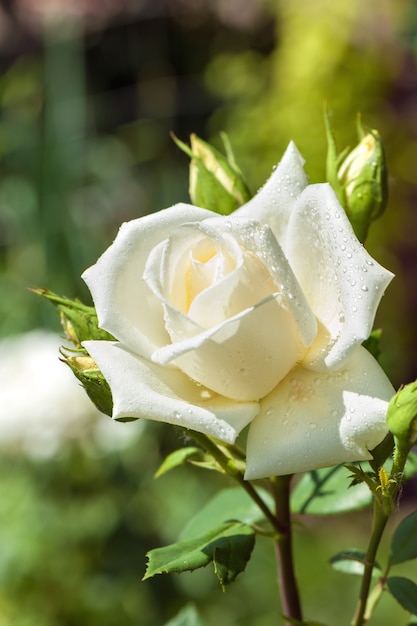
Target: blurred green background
89,91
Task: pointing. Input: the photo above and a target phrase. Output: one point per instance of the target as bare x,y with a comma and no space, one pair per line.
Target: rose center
207,265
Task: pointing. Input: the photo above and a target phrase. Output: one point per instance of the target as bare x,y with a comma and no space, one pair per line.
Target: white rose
255,318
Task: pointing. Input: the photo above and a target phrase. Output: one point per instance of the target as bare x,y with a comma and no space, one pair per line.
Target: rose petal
142,389
273,203
245,355
125,306
314,420
342,283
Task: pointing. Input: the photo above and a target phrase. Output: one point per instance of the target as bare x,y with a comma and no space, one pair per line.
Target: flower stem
228,465
378,526
283,549
280,521
383,507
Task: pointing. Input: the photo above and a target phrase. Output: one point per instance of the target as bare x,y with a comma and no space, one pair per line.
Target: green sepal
382,453
352,561
404,540
228,547
404,591
326,491
332,160
216,183
78,320
177,458
86,371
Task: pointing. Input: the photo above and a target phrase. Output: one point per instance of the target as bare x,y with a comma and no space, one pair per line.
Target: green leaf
229,546
232,503
373,343
177,458
404,540
410,468
352,562
404,591
188,616
326,491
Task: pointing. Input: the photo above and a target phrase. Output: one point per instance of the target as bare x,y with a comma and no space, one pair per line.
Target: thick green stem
283,549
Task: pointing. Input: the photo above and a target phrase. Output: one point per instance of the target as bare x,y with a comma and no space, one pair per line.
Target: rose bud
363,179
402,414
216,182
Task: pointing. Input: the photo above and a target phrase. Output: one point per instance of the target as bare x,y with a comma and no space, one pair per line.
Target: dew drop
364,288
349,255
334,413
354,309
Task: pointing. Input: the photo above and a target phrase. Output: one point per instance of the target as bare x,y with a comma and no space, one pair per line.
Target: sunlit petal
314,420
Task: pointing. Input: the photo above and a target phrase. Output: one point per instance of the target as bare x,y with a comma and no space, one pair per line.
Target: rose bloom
255,318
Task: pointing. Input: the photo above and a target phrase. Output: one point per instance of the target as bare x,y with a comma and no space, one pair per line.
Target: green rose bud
359,177
80,323
363,178
86,371
78,320
216,183
402,415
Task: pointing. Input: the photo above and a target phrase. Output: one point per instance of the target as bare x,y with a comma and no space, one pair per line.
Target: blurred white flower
42,408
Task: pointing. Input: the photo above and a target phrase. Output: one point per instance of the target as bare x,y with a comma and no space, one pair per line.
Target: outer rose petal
342,283
273,203
125,306
314,420
142,389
